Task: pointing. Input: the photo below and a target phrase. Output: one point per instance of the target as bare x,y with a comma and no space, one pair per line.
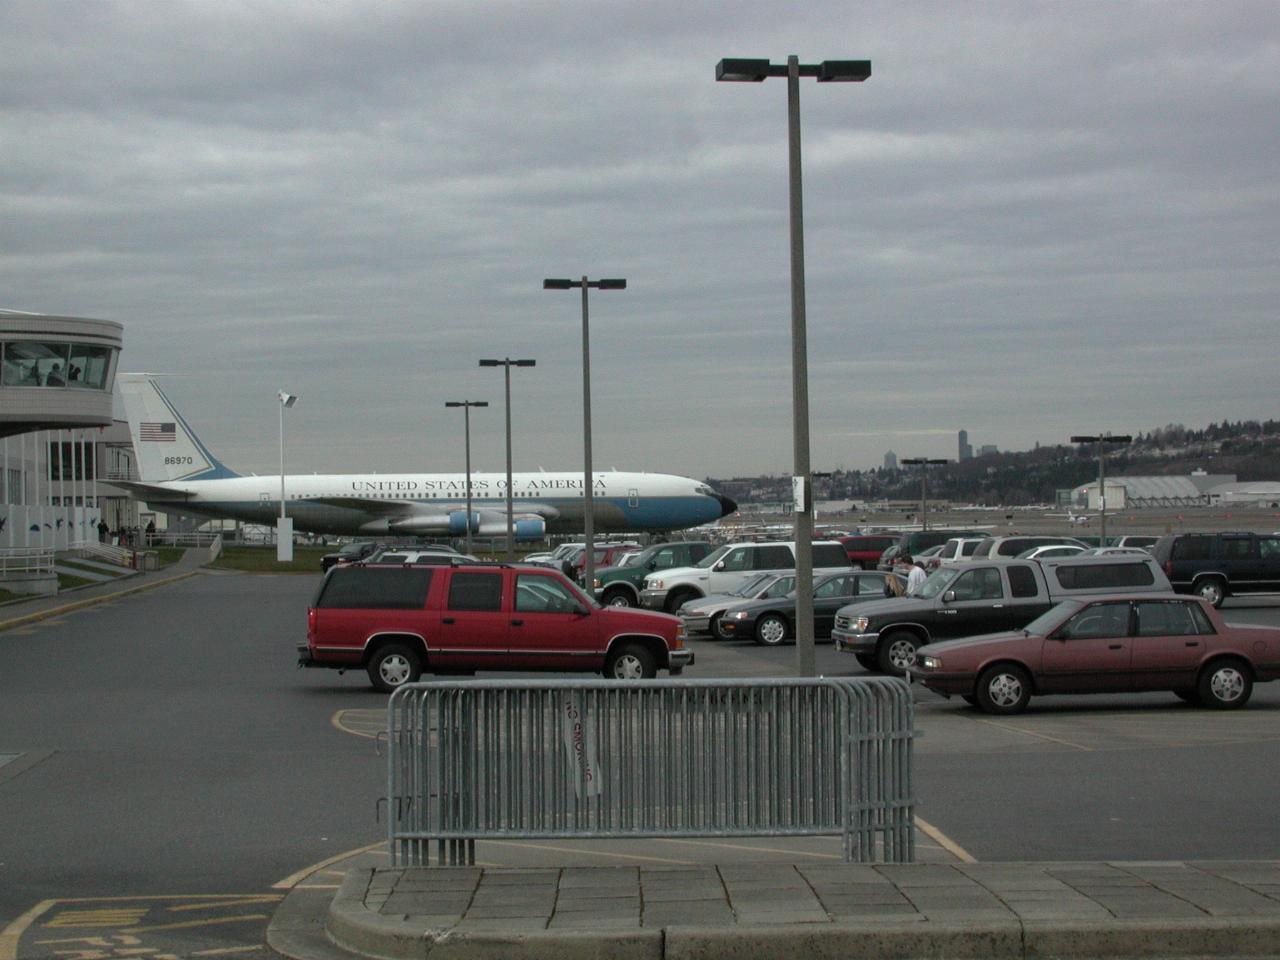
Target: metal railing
109,553
194,538
596,759
22,561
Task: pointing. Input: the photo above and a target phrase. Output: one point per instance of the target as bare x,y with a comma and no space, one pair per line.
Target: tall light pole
466,414
588,482
284,527
755,71
924,463
1102,439
507,363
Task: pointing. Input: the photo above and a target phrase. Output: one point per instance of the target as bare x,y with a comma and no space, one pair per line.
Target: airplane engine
437,524
527,528
458,523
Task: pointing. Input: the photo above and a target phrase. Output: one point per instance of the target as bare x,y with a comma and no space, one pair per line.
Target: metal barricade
597,759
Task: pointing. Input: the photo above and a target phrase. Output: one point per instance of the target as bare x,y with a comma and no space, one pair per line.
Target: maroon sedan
1112,644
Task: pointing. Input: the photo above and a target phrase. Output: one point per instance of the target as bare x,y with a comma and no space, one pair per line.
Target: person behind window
54,377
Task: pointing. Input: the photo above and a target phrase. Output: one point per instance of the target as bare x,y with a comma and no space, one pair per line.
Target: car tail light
1168,568
311,626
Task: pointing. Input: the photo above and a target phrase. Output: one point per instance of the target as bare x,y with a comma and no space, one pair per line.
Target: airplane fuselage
436,504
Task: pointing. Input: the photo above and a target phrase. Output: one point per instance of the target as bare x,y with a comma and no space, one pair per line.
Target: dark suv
1217,565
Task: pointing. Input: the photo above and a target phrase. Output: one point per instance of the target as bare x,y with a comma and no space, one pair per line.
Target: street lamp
466,414
924,463
507,363
1102,439
284,527
588,484
755,71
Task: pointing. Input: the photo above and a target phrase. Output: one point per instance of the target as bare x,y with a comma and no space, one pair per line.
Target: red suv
400,620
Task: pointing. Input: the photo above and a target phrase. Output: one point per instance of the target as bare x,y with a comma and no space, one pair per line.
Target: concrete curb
355,927
90,601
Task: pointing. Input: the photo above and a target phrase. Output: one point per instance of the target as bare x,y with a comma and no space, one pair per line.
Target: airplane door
633,497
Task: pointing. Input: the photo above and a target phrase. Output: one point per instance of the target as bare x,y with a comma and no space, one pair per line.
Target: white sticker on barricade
580,742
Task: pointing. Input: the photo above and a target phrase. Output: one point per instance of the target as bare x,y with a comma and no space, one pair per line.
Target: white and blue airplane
180,475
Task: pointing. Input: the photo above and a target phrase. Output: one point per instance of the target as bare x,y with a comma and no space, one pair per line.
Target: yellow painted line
752,849
225,950
188,924
291,881
99,917
1031,733
317,886
239,901
337,722
591,853
91,601
13,933
945,842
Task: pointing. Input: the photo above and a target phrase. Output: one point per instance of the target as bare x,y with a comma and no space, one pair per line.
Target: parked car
1218,565
981,596
606,555
554,558
864,549
955,550
1135,540
434,554
1109,645
399,620
1011,546
914,541
349,553
729,566
1113,551
1050,550
700,615
620,585
771,621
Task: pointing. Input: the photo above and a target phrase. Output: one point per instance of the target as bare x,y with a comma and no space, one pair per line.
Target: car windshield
711,558
937,582
1042,624
750,588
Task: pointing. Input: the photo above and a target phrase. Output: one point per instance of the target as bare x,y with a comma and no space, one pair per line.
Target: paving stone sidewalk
986,910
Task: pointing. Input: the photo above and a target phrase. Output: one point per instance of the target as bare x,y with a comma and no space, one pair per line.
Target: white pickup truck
727,567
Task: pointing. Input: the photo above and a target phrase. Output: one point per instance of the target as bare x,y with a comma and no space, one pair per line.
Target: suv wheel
393,666
618,598
1212,589
1225,685
679,598
630,661
897,653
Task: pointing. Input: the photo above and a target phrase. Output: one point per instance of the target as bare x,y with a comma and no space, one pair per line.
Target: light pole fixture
507,363
466,414
588,484
284,527
1102,439
755,71
924,463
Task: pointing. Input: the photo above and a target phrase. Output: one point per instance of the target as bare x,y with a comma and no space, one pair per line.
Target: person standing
915,575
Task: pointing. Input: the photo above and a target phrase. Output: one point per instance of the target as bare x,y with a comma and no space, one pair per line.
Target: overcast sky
1035,219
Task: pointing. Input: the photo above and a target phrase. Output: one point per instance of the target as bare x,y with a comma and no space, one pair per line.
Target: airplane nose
727,506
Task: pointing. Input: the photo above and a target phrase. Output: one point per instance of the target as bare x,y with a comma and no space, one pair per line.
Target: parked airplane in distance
179,475
1072,518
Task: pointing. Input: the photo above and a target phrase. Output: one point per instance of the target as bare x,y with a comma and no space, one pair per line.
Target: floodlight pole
284,529
755,71
588,479
466,415
1102,439
924,463
507,363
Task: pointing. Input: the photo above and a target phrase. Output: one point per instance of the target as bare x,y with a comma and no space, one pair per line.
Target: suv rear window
1095,576
778,558
1192,548
383,588
830,555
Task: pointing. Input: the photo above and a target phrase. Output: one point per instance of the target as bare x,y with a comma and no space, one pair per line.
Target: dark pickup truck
976,597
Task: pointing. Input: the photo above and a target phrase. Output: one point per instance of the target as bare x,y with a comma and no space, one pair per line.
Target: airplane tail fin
166,447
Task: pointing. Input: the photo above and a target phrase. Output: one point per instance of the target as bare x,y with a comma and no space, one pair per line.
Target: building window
29,363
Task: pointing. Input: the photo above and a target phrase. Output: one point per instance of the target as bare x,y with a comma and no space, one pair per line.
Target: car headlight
596,583
653,584
931,663
860,624
740,615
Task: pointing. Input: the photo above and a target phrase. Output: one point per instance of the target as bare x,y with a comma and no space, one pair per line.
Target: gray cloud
1034,219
